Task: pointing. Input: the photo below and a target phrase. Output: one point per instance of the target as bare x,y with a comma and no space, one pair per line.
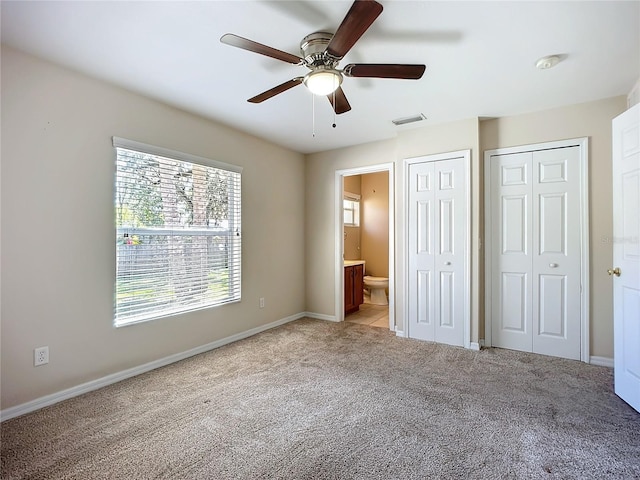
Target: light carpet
320,400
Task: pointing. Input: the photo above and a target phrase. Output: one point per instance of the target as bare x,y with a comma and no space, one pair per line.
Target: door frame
339,239
583,144
466,156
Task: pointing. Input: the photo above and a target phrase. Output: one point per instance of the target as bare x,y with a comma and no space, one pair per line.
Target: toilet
377,287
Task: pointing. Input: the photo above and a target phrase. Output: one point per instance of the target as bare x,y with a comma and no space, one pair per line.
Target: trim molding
464,155
601,361
474,346
78,390
400,333
339,239
321,316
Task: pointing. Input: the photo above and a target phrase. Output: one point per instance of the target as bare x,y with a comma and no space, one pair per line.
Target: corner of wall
634,95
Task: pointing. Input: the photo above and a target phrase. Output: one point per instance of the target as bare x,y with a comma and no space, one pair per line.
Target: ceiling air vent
404,121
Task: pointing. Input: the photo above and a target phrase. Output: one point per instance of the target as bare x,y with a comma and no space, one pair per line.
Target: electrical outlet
40,356
261,302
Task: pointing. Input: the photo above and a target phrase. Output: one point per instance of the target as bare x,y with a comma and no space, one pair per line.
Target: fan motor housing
313,48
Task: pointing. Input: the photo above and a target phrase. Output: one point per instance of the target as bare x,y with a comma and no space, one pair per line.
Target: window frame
354,198
234,228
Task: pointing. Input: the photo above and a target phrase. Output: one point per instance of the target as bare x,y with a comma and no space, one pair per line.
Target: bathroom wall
352,235
374,231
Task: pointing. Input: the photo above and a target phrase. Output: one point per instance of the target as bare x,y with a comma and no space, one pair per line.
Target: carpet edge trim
53,398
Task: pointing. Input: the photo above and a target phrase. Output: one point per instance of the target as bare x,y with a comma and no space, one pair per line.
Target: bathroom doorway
364,234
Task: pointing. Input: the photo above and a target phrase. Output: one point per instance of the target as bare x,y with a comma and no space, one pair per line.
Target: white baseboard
53,398
400,333
601,361
321,316
477,346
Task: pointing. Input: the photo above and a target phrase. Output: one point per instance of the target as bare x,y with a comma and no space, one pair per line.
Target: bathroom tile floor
372,315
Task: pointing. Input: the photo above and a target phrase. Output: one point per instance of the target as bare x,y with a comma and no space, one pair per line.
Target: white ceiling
480,58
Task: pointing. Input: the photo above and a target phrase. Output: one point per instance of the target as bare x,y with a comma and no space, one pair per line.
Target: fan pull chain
334,105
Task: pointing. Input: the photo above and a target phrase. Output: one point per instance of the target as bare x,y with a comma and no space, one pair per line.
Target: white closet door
437,236
556,252
536,260
511,269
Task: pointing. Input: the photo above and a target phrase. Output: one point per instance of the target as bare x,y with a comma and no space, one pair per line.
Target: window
178,236
351,209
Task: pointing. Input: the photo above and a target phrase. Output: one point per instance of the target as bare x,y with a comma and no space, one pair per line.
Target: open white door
626,255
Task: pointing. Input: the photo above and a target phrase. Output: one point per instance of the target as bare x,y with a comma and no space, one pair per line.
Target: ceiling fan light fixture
323,81
322,52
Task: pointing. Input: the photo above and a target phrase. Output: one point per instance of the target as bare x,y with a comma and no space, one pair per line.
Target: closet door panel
450,235
421,306
556,247
511,268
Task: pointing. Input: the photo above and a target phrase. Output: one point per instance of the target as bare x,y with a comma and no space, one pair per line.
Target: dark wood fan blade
358,19
283,87
246,44
384,70
341,104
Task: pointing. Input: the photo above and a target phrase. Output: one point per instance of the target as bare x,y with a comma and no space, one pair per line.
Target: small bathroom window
351,209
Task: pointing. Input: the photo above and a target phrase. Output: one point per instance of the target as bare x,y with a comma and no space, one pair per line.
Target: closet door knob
553,265
447,263
614,271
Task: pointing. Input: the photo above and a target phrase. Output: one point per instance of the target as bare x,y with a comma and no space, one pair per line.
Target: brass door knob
615,271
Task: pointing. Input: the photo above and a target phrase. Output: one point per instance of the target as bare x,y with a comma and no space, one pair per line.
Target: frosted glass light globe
323,82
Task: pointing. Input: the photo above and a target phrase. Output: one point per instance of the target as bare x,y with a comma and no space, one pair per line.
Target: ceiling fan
321,53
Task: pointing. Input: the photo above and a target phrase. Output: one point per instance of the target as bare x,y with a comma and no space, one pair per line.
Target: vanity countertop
350,263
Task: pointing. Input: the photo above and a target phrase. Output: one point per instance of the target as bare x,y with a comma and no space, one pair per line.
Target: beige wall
375,223
352,183
320,241
57,220
434,139
58,229
591,120
351,246
370,241
320,188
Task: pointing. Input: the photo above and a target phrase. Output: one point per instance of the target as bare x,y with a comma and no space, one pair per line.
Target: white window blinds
178,235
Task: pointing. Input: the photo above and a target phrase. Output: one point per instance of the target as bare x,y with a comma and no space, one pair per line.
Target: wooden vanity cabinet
353,288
